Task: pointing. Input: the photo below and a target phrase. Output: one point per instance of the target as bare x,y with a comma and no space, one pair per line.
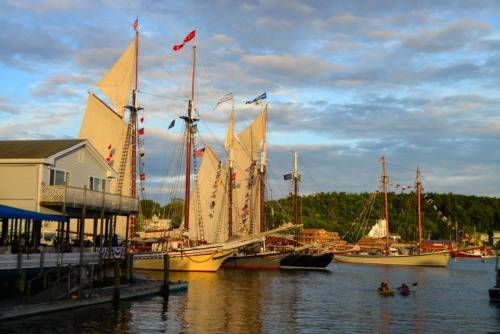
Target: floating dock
21,307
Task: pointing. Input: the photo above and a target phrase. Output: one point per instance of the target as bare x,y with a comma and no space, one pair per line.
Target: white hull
435,259
209,259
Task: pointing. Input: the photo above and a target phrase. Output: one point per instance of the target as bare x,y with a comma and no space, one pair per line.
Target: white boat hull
188,260
435,259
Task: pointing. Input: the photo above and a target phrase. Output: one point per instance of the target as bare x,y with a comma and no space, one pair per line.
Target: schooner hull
207,260
436,259
269,261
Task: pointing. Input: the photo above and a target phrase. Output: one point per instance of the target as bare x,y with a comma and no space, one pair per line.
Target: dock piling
166,268
116,290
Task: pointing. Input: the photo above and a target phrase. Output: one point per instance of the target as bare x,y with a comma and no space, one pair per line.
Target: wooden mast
385,181
419,209
262,190
296,179
231,181
189,142
133,124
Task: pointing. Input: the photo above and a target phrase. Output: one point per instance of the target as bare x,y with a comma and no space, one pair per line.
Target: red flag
190,36
177,47
140,132
136,24
142,176
198,153
142,119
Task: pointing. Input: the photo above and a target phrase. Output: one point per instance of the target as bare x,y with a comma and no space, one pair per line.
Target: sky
347,82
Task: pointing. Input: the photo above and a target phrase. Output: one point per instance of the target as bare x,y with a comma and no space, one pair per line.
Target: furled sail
209,200
253,137
119,81
107,132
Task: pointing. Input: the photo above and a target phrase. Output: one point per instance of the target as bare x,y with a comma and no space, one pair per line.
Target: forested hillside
353,214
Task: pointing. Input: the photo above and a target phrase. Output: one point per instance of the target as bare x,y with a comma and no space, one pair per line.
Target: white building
378,230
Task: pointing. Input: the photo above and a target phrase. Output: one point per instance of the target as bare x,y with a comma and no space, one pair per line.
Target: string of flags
111,151
440,214
257,99
142,153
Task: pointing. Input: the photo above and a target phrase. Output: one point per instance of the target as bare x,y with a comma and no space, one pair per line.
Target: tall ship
420,258
303,257
114,129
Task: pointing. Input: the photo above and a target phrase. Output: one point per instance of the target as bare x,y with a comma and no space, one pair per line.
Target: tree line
444,216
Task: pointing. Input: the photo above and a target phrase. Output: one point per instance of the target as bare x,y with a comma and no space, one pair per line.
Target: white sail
104,128
208,201
253,137
119,81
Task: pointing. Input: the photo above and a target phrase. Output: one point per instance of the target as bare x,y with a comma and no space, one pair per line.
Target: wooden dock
22,307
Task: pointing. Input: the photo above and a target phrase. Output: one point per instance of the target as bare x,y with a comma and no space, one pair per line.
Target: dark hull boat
306,261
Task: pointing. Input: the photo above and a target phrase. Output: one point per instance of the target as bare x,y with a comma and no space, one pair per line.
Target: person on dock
114,241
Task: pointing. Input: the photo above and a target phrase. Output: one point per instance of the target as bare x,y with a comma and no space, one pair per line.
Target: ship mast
230,173
189,141
385,181
133,125
262,190
296,179
419,209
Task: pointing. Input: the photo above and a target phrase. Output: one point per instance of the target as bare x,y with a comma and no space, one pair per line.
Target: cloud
454,36
58,85
7,107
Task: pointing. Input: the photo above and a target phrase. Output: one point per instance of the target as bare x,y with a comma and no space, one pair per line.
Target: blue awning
15,213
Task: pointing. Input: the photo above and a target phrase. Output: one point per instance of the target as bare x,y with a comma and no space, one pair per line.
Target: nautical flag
287,177
225,98
172,124
142,154
111,150
142,119
257,99
140,132
188,38
142,176
233,177
136,24
198,153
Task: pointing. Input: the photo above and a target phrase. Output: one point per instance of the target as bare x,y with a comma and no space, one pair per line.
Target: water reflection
341,301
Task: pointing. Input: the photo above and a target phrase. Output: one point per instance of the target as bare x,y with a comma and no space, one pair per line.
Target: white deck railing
47,260
78,197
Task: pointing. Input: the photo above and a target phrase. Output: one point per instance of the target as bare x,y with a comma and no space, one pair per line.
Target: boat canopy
15,213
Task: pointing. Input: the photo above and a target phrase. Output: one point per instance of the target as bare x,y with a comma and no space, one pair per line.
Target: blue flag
172,124
257,99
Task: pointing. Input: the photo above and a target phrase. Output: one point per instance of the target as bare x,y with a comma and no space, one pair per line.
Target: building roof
34,149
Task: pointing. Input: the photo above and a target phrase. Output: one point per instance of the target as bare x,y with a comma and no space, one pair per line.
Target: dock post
116,290
21,275
130,266
166,268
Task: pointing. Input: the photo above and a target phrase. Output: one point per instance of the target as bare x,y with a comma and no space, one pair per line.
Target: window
58,177
97,184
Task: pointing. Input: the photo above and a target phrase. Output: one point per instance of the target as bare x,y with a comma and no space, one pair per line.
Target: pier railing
45,260
73,197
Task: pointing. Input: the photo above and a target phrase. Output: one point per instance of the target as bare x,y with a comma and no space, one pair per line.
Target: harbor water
340,300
